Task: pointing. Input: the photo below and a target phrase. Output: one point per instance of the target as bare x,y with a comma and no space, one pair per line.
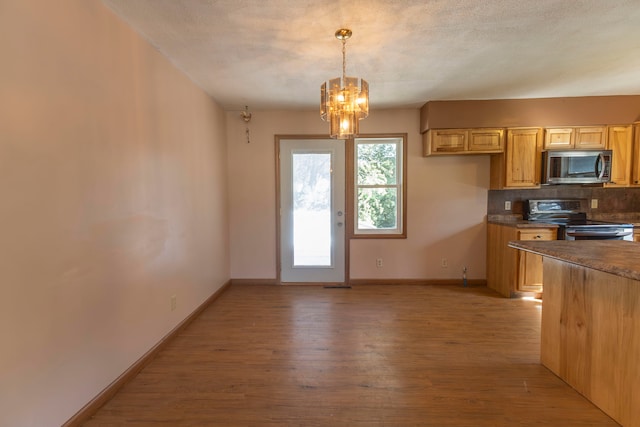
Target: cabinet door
501,259
621,143
635,163
448,140
558,138
486,140
591,137
522,161
530,265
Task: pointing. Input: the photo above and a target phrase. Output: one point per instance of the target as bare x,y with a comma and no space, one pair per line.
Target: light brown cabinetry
462,141
590,137
519,165
635,163
509,271
558,139
580,138
621,143
636,235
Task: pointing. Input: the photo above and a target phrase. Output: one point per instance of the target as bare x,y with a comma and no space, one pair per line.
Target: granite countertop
617,257
517,222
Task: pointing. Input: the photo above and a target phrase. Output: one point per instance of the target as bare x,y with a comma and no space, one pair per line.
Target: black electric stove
572,221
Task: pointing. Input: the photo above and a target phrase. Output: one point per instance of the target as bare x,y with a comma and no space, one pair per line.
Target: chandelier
344,101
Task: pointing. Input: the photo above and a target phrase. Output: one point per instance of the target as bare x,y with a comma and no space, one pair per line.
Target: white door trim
287,273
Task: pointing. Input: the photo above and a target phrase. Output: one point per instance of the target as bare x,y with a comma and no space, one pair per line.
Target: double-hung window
379,197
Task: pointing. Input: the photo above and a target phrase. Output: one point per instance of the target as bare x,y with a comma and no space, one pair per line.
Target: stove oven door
597,233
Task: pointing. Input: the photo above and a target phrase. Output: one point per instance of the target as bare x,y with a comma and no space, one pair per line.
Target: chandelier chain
344,60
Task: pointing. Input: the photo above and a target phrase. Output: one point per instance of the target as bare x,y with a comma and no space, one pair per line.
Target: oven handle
598,233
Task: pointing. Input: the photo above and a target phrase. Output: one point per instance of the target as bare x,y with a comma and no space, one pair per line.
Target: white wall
113,182
447,202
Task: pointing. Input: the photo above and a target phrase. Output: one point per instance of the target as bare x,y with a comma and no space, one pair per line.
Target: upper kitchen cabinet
580,138
445,141
558,138
590,137
463,141
621,143
486,140
635,169
519,166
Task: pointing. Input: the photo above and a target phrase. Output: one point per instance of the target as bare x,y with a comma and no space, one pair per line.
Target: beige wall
539,112
114,197
447,202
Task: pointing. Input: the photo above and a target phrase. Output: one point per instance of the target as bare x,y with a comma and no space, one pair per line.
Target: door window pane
311,209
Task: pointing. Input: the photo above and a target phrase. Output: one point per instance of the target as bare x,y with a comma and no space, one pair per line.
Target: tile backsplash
610,200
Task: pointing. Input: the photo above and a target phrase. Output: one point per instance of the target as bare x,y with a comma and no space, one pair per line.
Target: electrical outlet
507,205
444,263
379,263
594,203
174,302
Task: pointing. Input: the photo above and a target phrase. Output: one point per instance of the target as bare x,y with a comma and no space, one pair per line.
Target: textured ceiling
275,54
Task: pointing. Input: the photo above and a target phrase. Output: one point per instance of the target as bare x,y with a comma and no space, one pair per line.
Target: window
379,195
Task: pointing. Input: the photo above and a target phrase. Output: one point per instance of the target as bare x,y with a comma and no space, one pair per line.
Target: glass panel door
312,210
311,182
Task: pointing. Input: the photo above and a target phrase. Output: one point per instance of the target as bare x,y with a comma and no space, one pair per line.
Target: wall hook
246,116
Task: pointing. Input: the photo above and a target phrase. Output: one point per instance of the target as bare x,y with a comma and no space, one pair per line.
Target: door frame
347,214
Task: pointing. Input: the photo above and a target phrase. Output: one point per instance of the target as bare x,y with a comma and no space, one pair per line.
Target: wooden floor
367,356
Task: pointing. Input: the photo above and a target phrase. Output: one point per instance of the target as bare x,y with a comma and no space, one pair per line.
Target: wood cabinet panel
590,336
448,140
530,265
580,138
522,154
558,138
486,140
620,141
462,141
510,271
635,163
590,137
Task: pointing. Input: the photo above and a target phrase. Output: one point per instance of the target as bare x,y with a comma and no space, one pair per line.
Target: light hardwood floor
367,356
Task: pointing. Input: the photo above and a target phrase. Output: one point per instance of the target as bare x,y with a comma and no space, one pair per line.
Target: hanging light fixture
344,101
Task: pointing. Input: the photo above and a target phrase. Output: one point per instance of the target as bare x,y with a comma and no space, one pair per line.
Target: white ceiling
275,54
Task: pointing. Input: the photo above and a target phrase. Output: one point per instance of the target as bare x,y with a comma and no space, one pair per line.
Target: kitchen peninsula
590,334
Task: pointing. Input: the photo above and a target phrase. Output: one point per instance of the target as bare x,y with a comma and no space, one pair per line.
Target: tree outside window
379,186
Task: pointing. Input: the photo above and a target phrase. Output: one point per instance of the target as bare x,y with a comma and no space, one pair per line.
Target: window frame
352,204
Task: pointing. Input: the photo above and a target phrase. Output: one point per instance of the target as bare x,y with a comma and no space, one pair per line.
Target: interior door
312,217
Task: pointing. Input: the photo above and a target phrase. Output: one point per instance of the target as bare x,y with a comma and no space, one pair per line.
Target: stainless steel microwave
576,167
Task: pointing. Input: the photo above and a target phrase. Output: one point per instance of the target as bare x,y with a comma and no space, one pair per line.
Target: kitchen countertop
517,222
611,256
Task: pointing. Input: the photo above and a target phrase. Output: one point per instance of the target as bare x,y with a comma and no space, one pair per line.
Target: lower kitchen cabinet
511,272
